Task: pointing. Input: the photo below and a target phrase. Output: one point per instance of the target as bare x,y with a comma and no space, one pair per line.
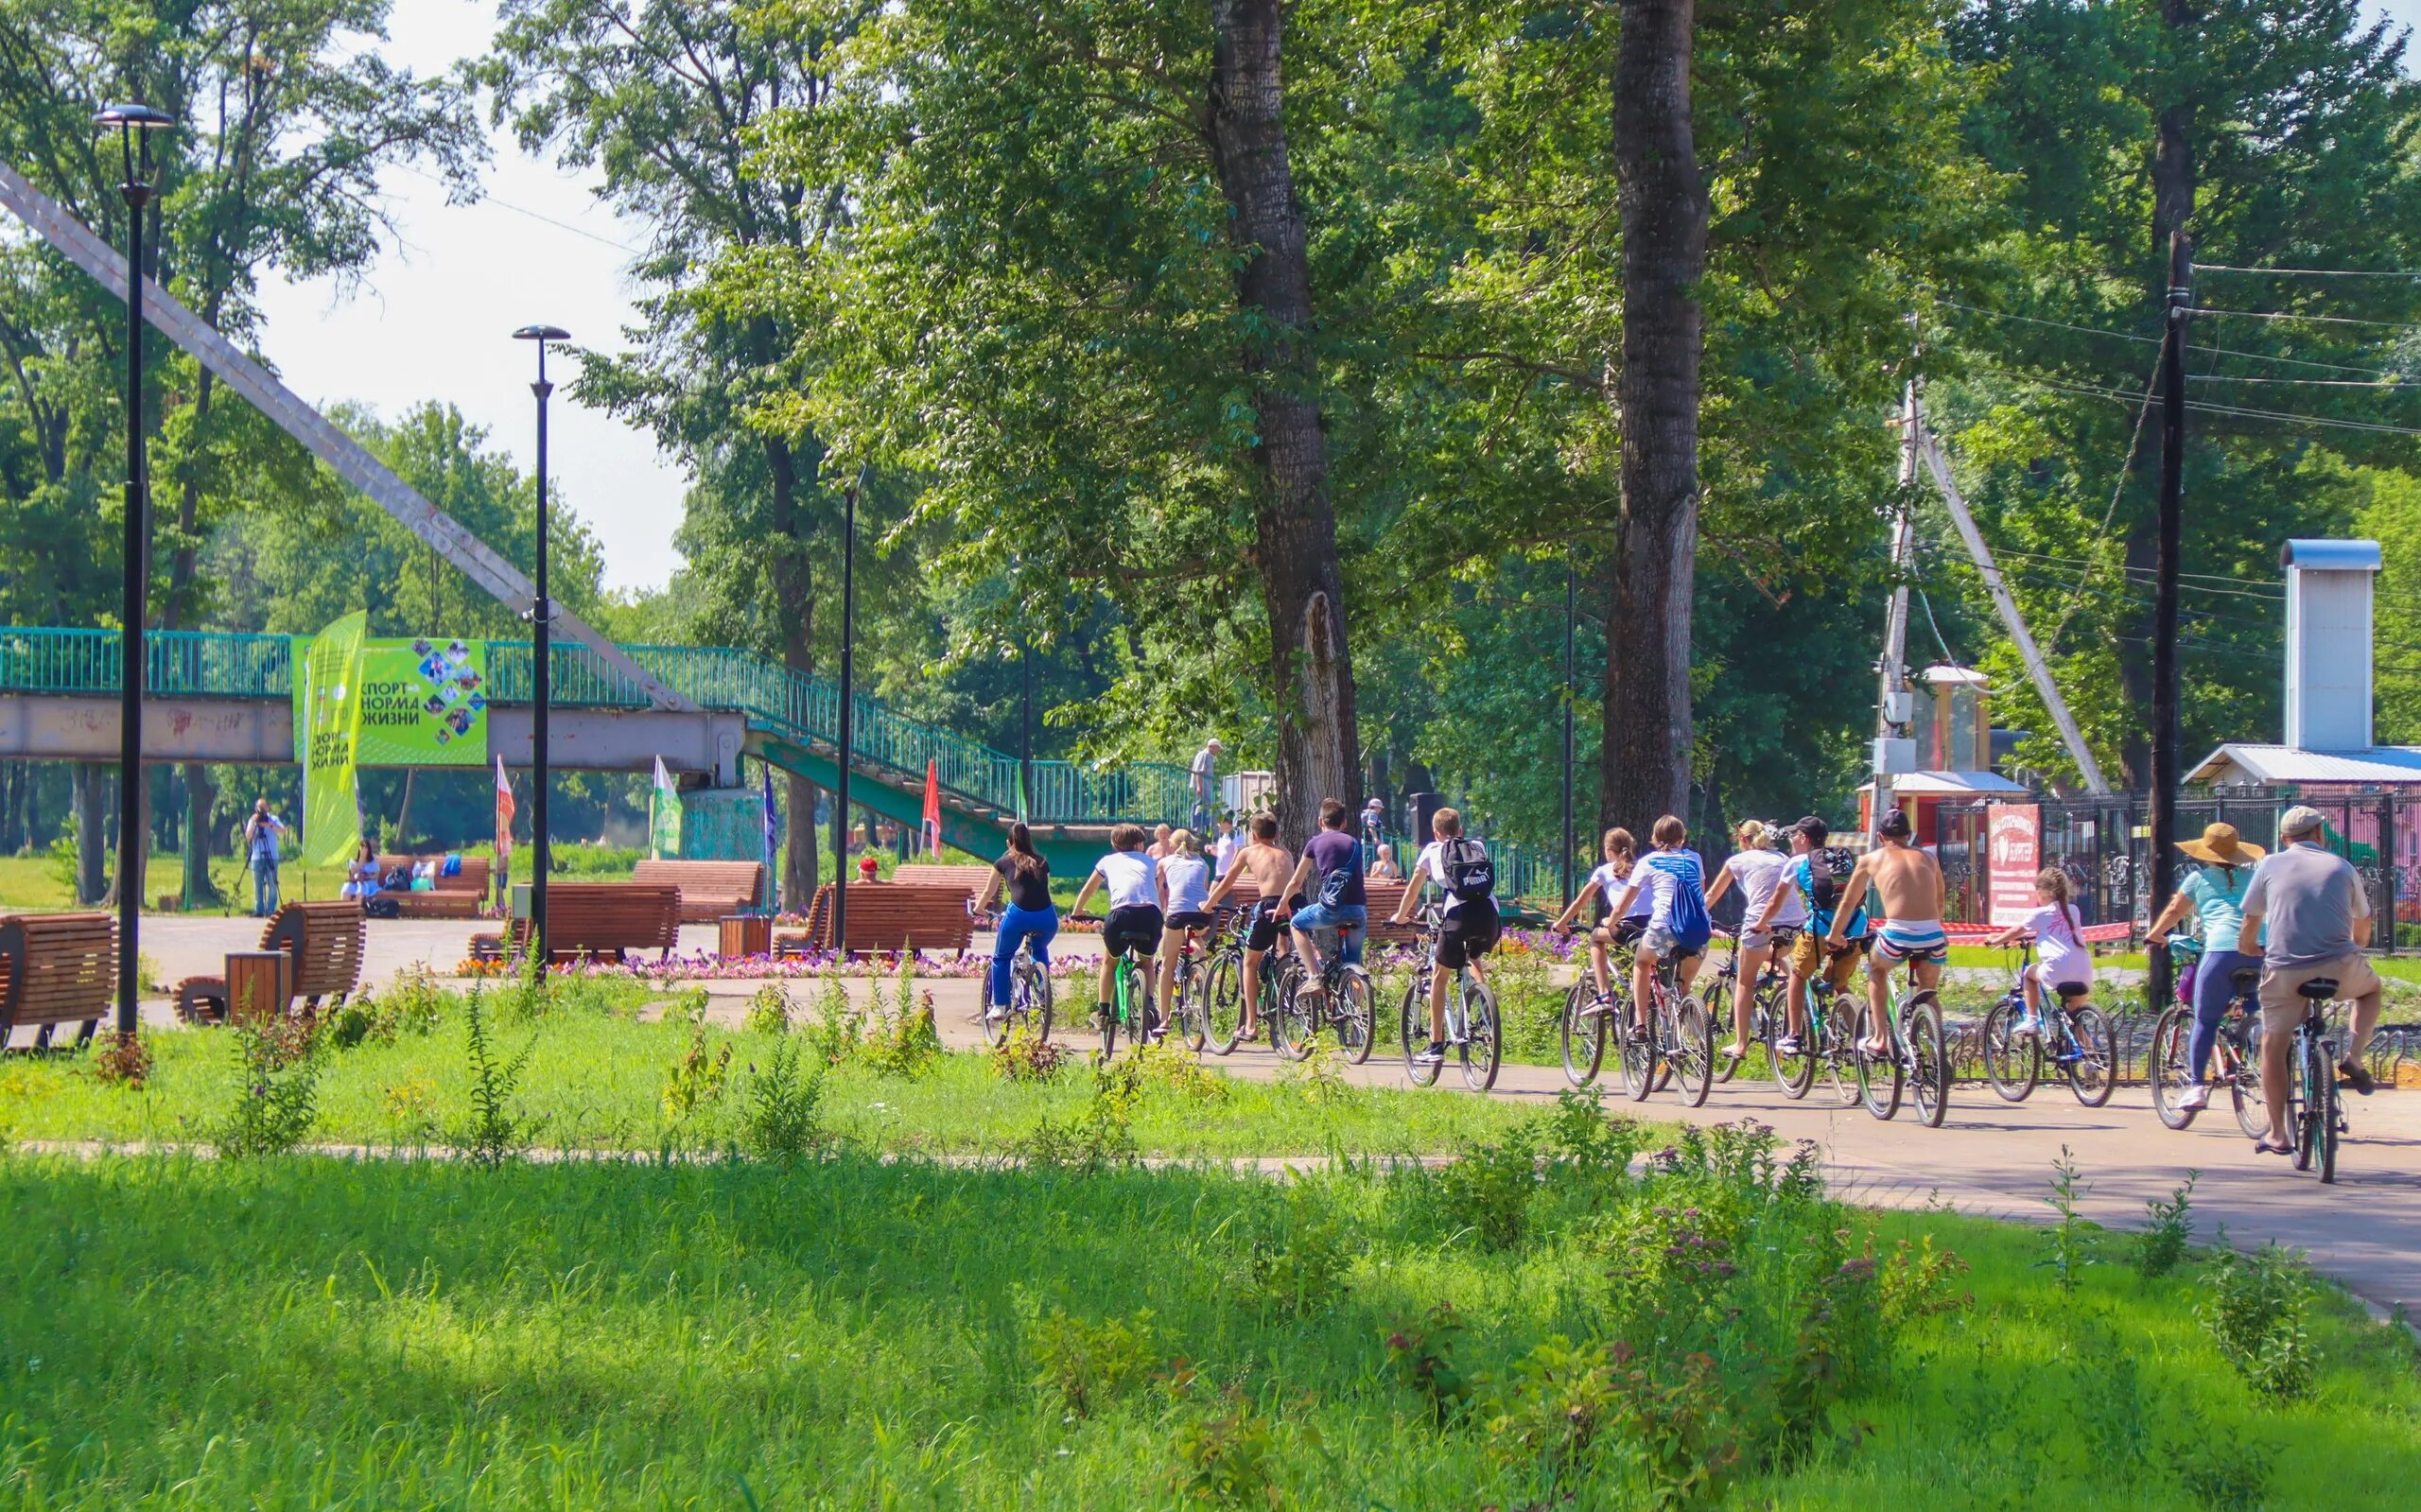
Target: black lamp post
542,614
134,125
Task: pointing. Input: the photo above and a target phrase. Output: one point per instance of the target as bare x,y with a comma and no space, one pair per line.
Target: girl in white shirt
1184,882
1759,873
2060,955
1606,881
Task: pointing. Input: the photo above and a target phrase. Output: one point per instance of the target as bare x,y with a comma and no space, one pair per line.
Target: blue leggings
1018,927
2214,989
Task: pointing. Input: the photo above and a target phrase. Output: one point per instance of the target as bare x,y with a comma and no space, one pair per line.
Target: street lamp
542,614
134,125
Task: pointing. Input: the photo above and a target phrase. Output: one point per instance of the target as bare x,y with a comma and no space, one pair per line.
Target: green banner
328,724
425,702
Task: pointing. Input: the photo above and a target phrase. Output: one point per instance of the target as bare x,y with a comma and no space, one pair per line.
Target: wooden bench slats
459,896
708,889
325,939
885,916
979,883
607,919
56,968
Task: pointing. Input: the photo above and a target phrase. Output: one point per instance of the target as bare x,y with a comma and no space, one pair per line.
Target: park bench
600,920
56,968
325,941
459,896
885,917
980,884
708,890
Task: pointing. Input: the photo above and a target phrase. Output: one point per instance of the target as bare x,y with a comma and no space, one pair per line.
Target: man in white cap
2319,920
1205,778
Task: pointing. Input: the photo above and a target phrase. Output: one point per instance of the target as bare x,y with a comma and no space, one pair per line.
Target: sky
432,318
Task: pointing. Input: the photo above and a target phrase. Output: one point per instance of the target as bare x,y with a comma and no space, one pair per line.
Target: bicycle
1586,1011
1472,1027
2315,1118
1765,1004
2235,1053
1189,983
1223,991
1029,998
1676,1047
1132,1005
1826,1045
1914,1051
2083,1041
1344,1004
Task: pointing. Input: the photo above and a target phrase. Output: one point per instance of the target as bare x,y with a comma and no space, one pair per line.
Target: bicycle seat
2319,989
2246,977
2075,989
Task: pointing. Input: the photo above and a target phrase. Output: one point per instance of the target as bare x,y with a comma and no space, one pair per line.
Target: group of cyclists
2273,929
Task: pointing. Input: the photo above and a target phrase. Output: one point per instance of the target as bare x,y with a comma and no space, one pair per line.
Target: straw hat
2220,848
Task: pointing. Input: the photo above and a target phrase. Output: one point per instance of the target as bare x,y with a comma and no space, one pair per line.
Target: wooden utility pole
2178,309
1892,671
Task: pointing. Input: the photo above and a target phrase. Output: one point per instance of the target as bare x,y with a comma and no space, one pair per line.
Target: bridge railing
176,663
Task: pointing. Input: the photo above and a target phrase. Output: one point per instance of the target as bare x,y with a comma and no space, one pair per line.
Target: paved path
1993,1158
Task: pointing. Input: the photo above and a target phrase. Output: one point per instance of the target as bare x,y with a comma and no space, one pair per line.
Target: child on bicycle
1468,926
1184,882
1265,864
1134,922
1329,874
1606,883
2060,956
1673,880
1762,874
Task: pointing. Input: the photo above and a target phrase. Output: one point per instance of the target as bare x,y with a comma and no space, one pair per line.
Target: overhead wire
2310,272
2154,341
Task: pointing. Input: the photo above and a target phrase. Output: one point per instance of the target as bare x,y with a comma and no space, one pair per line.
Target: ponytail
1021,856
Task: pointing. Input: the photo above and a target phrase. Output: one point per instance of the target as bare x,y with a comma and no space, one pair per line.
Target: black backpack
1470,875
1828,873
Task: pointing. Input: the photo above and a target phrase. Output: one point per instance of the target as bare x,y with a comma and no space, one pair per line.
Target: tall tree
1662,199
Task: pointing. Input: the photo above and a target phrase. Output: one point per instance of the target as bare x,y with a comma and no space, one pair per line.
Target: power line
2206,406
2309,273
523,210
2399,382
2285,315
2154,341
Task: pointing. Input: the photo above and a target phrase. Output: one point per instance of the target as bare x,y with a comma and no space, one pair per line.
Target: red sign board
2013,855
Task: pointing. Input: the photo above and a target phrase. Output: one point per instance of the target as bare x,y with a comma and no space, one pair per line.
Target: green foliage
2258,1309
1167,1066
903,1043
1098,1136
2162,1244
1421,1356
783,1119
769,1011
272,1106
697,1079
839,1028
1300,1268
1023,1055
121,1060
1087,1365
497,1130
1487,1189
1224,1459
2073,1240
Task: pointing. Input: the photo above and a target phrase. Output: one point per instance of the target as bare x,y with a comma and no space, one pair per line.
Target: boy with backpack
1673,880
1468,927
1329,875
1819,876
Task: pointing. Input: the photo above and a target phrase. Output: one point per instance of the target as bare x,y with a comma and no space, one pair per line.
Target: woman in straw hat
2215,894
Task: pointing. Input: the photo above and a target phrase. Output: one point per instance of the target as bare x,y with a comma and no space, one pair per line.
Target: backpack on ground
1470,874
1333,886
1828,873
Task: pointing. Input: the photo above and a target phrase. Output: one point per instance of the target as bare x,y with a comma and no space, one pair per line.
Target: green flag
327,735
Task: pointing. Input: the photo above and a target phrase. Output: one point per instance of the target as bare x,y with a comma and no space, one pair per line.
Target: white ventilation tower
2328,643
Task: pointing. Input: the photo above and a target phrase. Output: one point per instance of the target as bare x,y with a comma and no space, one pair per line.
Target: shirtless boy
1266,864
1910,884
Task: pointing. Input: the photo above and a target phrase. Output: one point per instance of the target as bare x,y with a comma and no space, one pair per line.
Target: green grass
310,1332
596,1080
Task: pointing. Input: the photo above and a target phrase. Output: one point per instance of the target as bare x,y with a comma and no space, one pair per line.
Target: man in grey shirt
2319,920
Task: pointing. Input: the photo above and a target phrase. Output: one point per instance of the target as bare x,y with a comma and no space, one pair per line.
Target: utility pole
2177,310
1571,841
1895,625
848,713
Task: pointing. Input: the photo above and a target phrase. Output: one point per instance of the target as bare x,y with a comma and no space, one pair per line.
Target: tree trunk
795,610
93,838
1663,203
1310,670
2173,185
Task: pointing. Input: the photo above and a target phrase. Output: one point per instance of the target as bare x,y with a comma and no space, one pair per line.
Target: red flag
933,807
503,812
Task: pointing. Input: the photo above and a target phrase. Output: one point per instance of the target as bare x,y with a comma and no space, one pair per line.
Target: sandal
2263,1146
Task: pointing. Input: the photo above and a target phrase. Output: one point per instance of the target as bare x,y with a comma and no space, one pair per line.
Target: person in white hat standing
2319,920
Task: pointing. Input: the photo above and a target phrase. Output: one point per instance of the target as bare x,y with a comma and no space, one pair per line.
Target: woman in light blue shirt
2215,894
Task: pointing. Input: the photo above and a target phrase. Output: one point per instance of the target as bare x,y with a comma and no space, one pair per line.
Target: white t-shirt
1188,882
1431,867
1664,874
1758,874
2059,955
1223,852
1612,882
1128,874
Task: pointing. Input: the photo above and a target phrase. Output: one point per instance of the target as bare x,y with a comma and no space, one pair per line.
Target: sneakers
2357,1076
1787,1045
2028,1027
1599,1007
994,1014
2195,1099
1434,1055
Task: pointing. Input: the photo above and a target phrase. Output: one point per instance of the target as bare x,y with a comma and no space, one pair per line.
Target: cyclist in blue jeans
1329,875
2215,894
1029,919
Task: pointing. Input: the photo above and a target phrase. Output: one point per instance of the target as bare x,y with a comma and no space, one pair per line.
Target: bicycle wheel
1692,1054
1351,1013
2092,1054
2301,1100
1223,1003
1185,1005
2242,1044
1412,1028
1794,1071
1838,1065
1638,1052
1583,1034
1714,1007
1928,1058
2168,1066
1295,1022
1484,1037
996,1029
1878,1075
2013,1062
2323,1060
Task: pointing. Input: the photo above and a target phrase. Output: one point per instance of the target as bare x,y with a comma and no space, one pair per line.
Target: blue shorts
1347,919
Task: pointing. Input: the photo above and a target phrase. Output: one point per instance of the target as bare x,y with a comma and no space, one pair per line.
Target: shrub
784,1114
839,1026
905,1043
1301,1270
2162,1244
1319,1078
1224,1459
412,1004
1169,1067
2068,1243
122,1060
2256,1310
412,1103
1088,1364
1421,1356
1920,1281
276,1087
768,1010
696,1080
1026,1056
1100,1134
1488,1190
497,1130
